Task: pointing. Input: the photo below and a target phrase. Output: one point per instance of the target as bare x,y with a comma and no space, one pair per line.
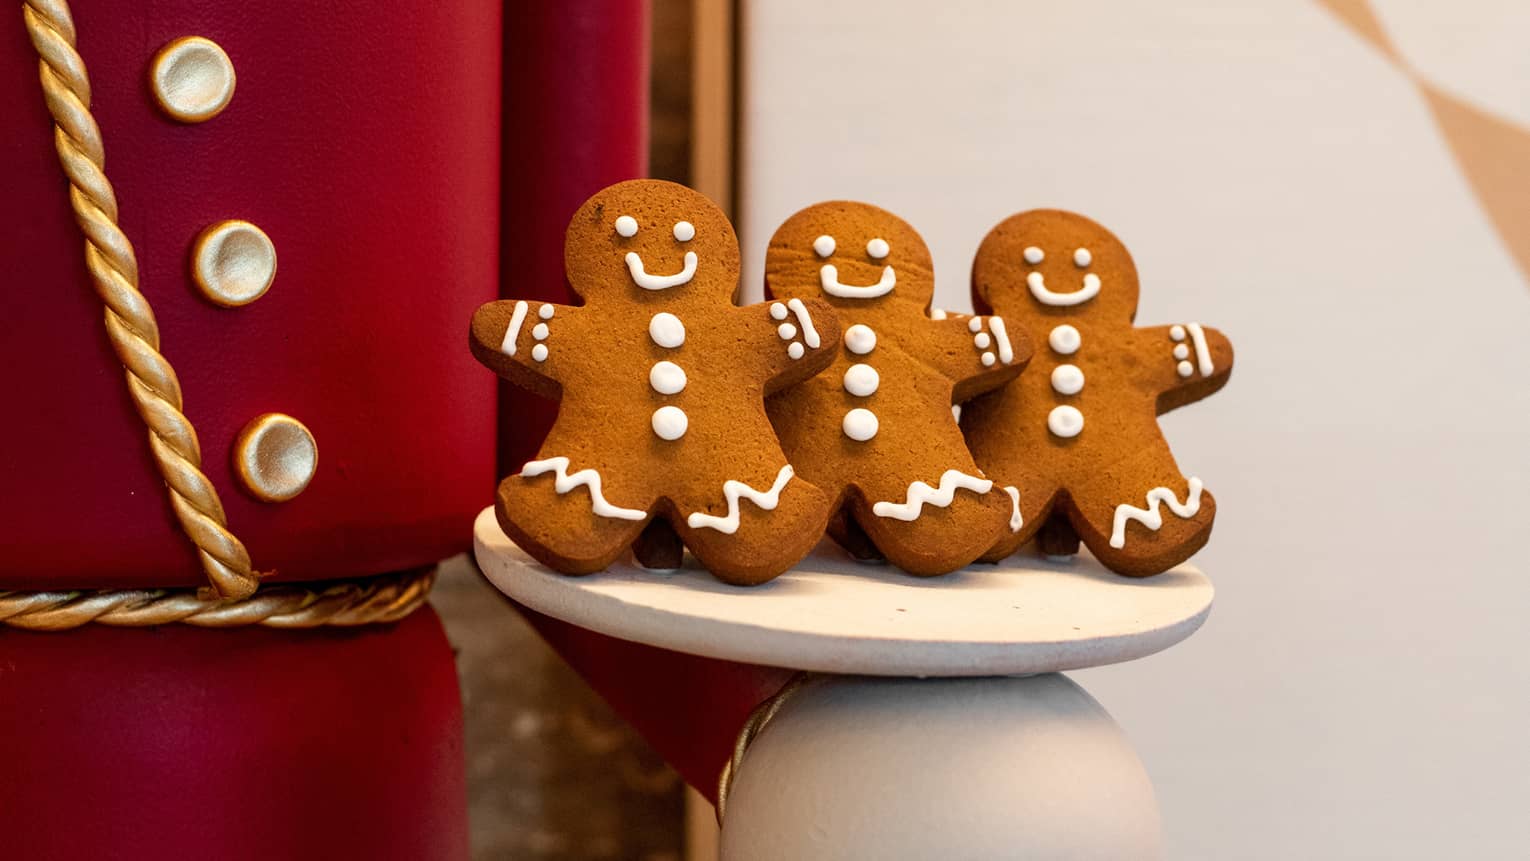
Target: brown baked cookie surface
876,430
661,380
1078,432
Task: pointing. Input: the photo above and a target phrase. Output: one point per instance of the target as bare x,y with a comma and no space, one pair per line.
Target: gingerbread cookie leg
933,526
769,521
1156,527
563,516
1032,501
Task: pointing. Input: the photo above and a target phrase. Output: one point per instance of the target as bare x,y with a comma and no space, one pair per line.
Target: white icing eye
823,246
1082,258
685,231
877,248
626,226
1034,255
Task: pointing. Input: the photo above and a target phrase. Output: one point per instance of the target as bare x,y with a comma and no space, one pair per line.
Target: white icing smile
646,281
1039,289
832,286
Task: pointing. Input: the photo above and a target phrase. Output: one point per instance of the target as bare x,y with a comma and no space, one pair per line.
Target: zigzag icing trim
732,491
920,494
1015,520
1151,517
584,477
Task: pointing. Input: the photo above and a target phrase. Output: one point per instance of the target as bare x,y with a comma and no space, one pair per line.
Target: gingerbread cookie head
1054,263
851,254
647,237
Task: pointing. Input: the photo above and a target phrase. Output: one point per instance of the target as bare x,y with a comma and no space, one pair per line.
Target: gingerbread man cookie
877,429
661,380
1078,432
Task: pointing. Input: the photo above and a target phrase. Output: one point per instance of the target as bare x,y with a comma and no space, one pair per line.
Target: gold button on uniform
192,79
275,457
233,263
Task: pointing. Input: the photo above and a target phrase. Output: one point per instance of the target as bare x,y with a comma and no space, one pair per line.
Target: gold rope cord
753,726
129,320
379,599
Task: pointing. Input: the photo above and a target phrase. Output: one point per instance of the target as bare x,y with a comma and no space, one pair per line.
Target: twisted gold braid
129,319
753,726
380,599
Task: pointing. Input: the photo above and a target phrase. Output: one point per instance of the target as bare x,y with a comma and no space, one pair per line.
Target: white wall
1363,686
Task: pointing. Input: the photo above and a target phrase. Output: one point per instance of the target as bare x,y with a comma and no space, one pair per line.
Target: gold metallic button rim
224,278
176,62
275,457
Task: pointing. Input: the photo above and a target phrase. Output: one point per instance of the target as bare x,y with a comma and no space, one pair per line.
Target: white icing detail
921,494
829,276
545,312
670,423
862,380
823,246
539,352
586,477
1065,340
1038,286
988,359
733,491
660,282
809,334
860,340
1001,334
1184,369
1065,421
777,311
1181,351
1034,255
975,324
1015,520
666,330
981,340
685,231
795,350
1151,517
786,331
1082,257
1177,332
1202,352
956,412
937,313
860,424
877,248
517,317
626,226
667,378
1067,380
539,331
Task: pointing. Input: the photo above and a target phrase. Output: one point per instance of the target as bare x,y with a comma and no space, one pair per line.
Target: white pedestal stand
950,754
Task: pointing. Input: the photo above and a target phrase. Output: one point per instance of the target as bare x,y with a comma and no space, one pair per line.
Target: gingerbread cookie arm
1183,362
978,354
515,339
799,336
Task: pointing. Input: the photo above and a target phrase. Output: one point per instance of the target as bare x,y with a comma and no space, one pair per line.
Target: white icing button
685,231
937,313
975,324
1067,380
539,331
539,352
860,424
981,340
666,330
860,340
823,246
626,226
545,312
192,78
1064,339
1177,332
1082,258
1185,369
233,263
1181,351
778,311
988,359
862,380
796,350
1065,421
670,423
787,331
1034,255
667,378
877,248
